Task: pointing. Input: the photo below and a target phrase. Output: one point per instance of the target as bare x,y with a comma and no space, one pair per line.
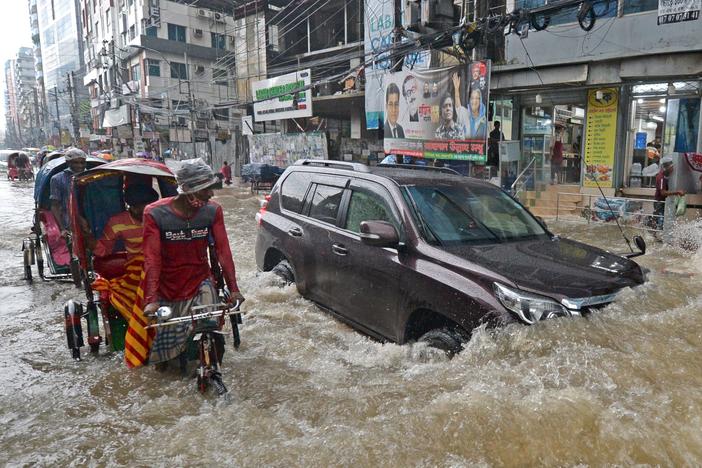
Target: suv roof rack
416,167
358,167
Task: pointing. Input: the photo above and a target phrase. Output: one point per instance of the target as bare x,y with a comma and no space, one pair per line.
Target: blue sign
640,140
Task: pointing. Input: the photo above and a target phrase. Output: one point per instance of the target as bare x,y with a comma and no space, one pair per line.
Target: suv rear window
325,203
293,190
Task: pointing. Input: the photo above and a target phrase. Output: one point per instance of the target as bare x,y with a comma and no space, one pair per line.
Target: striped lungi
126,294
171,340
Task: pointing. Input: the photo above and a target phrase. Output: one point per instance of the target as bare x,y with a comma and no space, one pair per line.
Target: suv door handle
295,232
339,249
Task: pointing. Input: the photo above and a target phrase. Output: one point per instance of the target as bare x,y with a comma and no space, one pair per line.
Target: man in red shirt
177,232
662,190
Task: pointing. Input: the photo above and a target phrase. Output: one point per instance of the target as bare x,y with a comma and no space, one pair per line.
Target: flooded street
622,386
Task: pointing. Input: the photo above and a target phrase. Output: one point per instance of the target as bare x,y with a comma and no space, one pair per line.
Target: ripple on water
621,386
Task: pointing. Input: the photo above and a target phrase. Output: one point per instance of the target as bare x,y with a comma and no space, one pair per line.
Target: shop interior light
657,117
640,100
661,109
651,125
538,99
662,100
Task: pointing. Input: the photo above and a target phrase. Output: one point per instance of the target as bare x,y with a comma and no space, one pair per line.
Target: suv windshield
463,214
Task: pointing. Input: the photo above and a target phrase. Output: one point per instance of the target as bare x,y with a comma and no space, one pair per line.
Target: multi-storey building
12,128
27,97
62,65
152,75
38,66
21,100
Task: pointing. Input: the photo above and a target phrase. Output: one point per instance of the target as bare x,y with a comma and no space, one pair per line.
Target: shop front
551,131
664,119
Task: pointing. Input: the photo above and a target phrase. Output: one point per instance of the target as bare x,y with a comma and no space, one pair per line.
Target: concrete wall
626,36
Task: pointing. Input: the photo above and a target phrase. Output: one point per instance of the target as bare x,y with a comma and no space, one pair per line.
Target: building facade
38,68
654,71
62,67
155,76
22,101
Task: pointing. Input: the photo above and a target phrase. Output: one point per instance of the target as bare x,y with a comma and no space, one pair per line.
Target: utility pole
193,116
58,117
74,107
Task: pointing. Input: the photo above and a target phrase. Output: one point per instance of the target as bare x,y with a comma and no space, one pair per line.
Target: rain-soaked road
623,386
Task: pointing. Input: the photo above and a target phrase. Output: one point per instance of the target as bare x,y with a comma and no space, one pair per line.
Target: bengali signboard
379,24
677,11
283,97
600,137
438,114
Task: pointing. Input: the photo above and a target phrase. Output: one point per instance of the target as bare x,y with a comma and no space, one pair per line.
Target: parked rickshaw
46,241
96,196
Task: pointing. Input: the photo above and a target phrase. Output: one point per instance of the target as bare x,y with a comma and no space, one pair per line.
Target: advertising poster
379,24
600,136
283,149
677,11
438,114
283,97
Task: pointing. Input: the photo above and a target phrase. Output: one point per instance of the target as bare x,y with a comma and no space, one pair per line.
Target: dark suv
425,254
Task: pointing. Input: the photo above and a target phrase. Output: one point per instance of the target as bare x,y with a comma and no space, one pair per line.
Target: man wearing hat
60,186
177,232
662,191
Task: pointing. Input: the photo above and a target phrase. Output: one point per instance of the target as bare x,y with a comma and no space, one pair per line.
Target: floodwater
623,386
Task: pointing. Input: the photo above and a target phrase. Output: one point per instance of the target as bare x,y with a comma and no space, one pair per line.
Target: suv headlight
530,308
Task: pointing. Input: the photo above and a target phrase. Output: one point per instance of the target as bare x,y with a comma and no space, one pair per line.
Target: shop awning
521,78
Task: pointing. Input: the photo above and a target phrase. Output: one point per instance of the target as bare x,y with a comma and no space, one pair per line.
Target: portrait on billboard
438,113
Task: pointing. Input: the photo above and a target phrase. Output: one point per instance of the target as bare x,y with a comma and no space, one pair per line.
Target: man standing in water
662,191
177,232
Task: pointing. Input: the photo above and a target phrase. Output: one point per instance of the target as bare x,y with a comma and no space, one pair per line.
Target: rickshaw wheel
202,384
218,384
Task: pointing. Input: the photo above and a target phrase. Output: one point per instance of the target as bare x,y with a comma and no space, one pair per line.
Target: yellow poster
600,136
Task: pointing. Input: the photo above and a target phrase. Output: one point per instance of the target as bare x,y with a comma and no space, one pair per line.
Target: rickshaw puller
177,232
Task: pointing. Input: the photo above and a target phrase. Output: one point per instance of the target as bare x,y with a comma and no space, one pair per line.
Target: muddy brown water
623,386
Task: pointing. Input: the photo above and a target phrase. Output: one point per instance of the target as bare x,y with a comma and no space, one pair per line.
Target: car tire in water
284,271
445,339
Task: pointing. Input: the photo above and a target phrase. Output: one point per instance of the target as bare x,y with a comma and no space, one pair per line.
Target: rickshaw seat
111,266
57,244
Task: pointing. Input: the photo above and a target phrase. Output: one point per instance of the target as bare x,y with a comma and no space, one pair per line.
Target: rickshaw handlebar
215,310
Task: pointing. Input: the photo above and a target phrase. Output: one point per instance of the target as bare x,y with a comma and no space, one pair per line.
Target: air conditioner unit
204,13
219,17
199,69
198,33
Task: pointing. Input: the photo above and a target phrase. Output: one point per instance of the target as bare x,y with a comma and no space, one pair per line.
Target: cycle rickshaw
46,243
97,195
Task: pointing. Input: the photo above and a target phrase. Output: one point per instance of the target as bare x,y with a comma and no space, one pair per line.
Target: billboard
438,114
379,25
283,97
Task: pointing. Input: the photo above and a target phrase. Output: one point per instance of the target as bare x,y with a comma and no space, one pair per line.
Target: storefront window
664,120
637,6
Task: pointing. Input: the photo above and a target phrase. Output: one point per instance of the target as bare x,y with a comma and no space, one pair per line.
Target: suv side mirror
379,234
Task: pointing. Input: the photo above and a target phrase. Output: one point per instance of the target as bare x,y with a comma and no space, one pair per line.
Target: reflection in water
623,386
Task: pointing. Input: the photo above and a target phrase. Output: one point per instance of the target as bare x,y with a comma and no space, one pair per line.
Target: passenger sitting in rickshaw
118,286
60,186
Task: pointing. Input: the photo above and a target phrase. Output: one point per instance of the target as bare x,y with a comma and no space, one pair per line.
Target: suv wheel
447,340
285,271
